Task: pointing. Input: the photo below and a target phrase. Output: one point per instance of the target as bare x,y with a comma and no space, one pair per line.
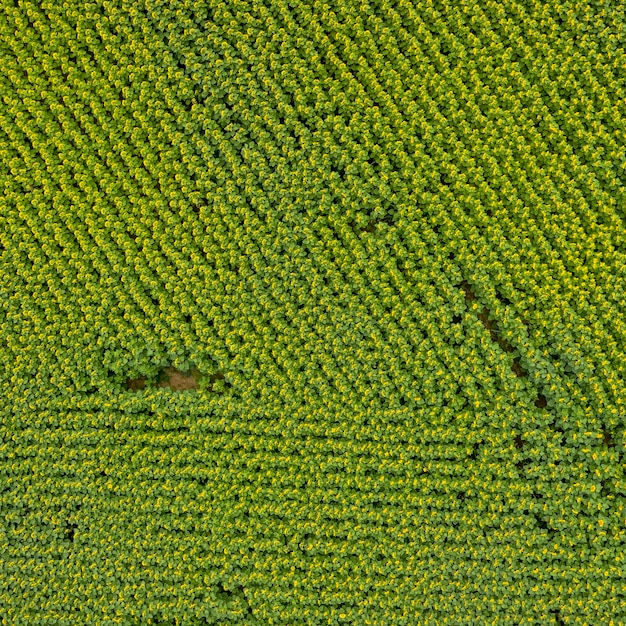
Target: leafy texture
312,313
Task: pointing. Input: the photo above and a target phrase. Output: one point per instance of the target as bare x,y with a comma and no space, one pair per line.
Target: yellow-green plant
390,238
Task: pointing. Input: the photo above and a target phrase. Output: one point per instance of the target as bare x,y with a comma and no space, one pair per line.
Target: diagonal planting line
584,439
520,372
496,337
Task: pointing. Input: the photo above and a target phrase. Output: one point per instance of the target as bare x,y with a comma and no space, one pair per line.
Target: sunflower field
312,313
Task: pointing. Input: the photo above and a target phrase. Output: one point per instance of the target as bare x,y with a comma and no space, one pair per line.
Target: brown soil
179,381
469,294
174,379
517,368
492,327
135,384
493,331
607,440
487,323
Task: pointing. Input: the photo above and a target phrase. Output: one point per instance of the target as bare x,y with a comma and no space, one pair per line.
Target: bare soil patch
179,381
469,294
176,380
517,369
491,326
135,384
607,439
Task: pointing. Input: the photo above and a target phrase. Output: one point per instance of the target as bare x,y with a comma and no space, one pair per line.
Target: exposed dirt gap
517,368
607,439
492,327
174,379
135,384
469,294
541,402
605,487
216,376
225,590
371,226
70,531
177,380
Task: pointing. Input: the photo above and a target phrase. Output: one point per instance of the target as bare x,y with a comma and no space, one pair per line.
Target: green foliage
389,238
